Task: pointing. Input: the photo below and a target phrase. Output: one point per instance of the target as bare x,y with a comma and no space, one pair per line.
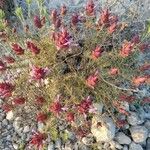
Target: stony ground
134,136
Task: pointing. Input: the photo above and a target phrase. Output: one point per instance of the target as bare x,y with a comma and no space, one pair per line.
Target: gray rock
16,146
98,107
121,138
125,147
134,119
71,135
103,128
134,146
5,122
118,146
147,124
58,143
88,140
139,134
26,129
51,146
10,115
148,144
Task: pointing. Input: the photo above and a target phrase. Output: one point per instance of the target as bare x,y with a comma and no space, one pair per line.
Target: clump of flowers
67,63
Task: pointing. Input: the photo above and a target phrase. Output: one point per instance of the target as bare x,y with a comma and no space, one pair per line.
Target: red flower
113,71
145,67
135,39
57,23
19,101
37,139
90,8
84,106
143,47
123,111
41,117
140,80
121,123
34,49
38,73
104,18
6,107
40,100
92,80
9,59
54,15
112,28
62,39
127,98
63,10
70,117
2,66
37,22
126,49
17,49
146,100
97,52
55,107
74,19
6,90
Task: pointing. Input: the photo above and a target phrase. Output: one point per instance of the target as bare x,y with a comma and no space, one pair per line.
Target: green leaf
2,14
19,12
28,2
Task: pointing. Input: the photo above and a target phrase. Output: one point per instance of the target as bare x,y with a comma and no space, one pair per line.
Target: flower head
70,117
74,19
37,139
41,117
63,10
90,8
38,73
112,28
104,18
85,105
92,80
31,46
97,52
6,90
54,15
37,22
55,108
139,80
9,59
2,66
6,107
19,101
40,100
113,71
17,49
62,39
126,49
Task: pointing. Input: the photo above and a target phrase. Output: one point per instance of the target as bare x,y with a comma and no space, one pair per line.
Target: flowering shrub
62,63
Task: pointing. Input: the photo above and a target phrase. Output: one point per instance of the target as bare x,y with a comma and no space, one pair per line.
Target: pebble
121,138
26,129
134,146
125,147
15,146
139,134
88,140
148,144
10,115
5,122
51,146
133,119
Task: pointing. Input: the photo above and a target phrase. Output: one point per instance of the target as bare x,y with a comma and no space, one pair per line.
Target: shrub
62,63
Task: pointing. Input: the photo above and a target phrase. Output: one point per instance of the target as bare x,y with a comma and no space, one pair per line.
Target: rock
40,126
88,140
26,129
99,107
125,147
51,146
17,123
71,135
5,122
139,134
103,128
134,119
148,144
147,124
134,146
121,138
106,145
10,115
16,146
58,143
118,146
